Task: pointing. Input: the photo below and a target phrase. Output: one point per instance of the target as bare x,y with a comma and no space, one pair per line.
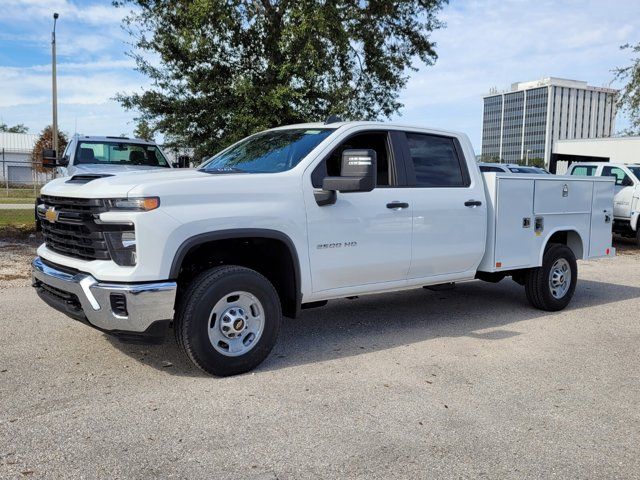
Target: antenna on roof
332,119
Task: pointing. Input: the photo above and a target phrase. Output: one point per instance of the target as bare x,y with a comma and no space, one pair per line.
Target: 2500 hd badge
323,246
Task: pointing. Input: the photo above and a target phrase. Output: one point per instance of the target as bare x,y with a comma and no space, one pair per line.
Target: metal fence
20,183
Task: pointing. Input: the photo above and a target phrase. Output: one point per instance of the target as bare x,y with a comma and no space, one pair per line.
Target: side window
378,141
484,168
584,170
436,162
621,177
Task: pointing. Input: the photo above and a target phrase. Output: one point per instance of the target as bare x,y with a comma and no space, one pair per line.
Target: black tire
636,239
537,285
194,312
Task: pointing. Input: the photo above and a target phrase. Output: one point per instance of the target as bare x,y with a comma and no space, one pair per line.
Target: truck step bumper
131,311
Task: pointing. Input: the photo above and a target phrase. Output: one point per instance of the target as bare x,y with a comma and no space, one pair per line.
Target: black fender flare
235,233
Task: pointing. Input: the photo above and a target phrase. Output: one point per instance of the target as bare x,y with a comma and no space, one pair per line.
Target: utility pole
54,86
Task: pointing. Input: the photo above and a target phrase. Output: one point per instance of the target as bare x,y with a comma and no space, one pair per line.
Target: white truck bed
524,211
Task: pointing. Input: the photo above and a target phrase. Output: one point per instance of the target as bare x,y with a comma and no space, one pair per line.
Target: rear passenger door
448,206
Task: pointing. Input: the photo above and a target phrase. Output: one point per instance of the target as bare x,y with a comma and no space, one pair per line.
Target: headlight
122,247
140,204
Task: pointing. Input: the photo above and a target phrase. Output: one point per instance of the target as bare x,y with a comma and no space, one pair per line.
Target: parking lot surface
465,383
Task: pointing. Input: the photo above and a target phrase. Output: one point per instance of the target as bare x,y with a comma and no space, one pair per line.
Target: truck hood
95,168
118,185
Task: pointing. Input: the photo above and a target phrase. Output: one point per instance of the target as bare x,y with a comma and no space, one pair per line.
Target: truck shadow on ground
346,328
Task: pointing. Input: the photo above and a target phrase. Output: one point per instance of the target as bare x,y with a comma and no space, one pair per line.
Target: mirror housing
627,182
183,162
49,158
358,172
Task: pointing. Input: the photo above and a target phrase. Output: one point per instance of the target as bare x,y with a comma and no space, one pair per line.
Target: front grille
76,232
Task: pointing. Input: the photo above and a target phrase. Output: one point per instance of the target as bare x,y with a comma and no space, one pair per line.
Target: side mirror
183,162
358,172
64,161
49,158
627,182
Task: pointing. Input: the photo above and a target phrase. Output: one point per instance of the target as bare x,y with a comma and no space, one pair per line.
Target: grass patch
17,218
4,200
19,193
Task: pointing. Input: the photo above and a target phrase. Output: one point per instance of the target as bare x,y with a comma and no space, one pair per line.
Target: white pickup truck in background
89,157
292,217
626,202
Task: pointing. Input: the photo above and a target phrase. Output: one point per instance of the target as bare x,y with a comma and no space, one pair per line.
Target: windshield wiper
224,170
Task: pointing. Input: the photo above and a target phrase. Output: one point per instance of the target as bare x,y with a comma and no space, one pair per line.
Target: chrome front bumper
82,297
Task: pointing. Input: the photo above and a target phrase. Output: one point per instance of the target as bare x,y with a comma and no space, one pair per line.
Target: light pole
54,86
527,157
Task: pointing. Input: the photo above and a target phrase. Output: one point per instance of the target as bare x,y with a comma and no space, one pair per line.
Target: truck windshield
120,153
268,152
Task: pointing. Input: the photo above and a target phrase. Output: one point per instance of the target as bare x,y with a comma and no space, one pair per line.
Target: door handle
397,205
472,203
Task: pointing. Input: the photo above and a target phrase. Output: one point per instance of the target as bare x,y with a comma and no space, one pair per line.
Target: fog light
122,247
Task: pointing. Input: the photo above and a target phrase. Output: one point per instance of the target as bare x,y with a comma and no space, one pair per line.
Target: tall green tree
143,130
629,98
222,69
45,140
19,128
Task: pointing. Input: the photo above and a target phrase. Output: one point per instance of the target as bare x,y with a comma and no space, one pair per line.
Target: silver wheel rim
560,278
236,323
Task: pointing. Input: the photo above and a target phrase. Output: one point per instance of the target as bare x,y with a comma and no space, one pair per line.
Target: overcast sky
485,44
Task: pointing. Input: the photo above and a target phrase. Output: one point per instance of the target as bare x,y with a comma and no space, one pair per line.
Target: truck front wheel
228,320
551,286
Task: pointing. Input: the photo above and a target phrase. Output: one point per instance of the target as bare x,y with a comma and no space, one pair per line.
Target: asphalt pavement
466,383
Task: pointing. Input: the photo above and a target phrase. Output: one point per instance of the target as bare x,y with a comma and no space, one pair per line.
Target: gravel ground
465,383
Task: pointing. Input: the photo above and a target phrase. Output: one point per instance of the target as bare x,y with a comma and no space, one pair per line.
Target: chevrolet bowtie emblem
51,215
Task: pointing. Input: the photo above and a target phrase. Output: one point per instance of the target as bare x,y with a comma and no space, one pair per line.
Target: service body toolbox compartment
526,210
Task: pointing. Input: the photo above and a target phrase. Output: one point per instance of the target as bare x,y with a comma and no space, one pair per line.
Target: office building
524,122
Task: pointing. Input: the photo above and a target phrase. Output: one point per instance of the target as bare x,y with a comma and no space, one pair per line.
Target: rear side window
584,170
436,162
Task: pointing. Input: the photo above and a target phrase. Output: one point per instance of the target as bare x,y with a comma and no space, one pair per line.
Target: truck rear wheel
551,286
228,320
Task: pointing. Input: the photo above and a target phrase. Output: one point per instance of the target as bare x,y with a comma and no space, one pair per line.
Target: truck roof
357,123
596,164
113,139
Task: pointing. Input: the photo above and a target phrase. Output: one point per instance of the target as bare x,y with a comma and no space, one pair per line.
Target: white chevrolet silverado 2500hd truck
292,217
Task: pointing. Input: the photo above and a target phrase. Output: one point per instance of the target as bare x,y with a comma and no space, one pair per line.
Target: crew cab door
448,206
363,238
624,188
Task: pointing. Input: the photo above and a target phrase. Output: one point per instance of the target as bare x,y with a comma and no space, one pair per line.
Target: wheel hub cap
560,278
236,323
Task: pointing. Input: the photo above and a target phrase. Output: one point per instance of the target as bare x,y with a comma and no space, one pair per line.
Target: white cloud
495,43
489,43
92,65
